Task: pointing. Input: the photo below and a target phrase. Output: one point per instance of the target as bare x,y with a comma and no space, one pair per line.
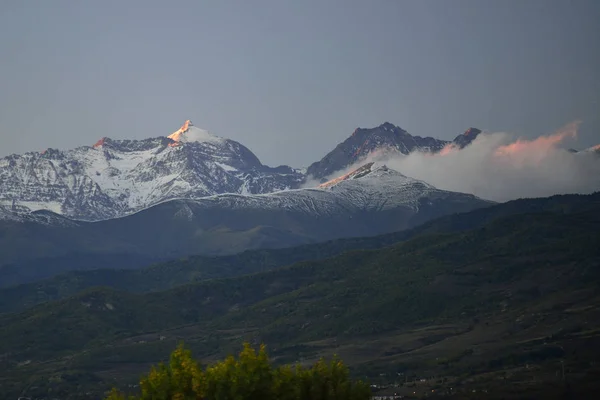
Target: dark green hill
508,300
177,272
28,271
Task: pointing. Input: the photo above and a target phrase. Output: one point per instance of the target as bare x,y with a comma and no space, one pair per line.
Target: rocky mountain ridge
386,138
118,177
114,178
378,200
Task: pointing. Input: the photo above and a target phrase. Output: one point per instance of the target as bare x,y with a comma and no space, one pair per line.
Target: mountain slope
178,272
379,202
117,177
382,139
481,303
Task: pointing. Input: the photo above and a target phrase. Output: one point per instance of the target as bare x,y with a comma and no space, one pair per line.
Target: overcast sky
290,79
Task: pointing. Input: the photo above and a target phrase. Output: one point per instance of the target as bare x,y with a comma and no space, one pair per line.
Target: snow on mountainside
374,201
369,188
114,178
117,177
42,217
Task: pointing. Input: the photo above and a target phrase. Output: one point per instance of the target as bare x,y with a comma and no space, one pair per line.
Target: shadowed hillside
511,299
185,270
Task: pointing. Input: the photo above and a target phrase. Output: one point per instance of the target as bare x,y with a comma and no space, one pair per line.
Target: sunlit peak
189,133
100,143
176,136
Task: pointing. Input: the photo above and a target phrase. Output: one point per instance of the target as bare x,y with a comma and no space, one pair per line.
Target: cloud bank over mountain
502,167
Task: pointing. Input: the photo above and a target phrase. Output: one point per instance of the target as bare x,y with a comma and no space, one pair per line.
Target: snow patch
53,206
226,167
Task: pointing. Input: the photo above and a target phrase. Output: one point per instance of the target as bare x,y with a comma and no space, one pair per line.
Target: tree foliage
250,376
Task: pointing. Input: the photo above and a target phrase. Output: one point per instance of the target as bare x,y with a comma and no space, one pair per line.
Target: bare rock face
386,138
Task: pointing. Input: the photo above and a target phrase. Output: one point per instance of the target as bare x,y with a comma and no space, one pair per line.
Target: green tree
250,376
330,381
181,379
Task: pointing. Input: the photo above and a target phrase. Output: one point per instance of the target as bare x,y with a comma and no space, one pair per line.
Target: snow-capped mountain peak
99,143
190,133
114,178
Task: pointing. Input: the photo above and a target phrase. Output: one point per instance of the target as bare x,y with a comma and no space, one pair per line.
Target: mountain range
114,178
378,200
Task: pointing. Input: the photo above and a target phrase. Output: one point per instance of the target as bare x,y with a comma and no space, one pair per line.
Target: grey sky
291,79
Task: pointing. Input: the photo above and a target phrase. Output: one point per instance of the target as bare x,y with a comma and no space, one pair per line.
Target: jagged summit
385,129
184,128
114,178
388,126
187,133
466,138
385,138
472,131
190,133
100,143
